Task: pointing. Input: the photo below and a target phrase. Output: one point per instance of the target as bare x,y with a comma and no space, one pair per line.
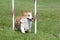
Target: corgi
24,23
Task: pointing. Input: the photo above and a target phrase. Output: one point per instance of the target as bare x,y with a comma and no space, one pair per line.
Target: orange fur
17,21
18,18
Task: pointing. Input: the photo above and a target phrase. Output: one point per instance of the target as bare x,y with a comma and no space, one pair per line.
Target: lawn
48,19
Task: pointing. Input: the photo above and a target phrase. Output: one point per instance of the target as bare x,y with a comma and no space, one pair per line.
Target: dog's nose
32,18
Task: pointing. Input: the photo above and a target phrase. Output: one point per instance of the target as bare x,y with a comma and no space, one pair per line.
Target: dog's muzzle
30,19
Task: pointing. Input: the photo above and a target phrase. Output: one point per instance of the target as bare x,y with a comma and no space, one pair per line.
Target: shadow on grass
18,30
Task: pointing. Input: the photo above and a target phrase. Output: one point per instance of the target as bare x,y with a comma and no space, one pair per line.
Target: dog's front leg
22,28
30,25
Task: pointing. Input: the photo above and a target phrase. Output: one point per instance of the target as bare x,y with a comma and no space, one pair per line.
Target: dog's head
28,15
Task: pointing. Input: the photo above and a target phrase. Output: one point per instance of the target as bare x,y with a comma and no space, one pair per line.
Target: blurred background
48,19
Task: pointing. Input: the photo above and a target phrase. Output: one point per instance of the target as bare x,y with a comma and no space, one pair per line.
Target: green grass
48,19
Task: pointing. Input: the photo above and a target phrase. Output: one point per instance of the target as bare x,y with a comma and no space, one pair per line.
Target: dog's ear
22,11
25,14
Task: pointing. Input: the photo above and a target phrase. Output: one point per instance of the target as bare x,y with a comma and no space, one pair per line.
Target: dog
24,23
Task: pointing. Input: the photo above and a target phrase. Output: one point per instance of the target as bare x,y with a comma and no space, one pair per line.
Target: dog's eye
28,15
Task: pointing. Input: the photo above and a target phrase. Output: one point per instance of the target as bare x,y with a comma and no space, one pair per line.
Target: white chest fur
25,25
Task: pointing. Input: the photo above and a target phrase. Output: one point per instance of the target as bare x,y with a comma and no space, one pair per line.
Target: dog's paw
26,31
